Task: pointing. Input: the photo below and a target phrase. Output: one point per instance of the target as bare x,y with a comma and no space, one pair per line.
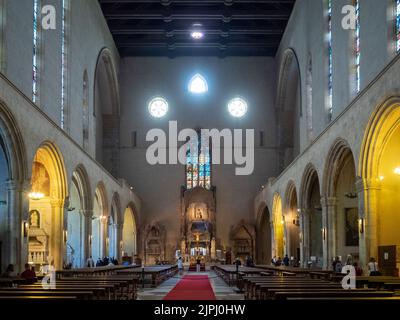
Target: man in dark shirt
28,274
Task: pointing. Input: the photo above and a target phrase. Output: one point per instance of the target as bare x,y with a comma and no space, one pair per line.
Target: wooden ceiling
164,27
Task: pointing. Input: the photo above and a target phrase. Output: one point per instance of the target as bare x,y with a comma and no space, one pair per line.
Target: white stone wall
159,186
88,35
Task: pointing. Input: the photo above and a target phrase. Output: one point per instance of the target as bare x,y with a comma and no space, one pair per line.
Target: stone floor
221,290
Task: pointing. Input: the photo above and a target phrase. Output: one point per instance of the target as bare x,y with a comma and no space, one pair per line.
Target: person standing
198,264
180,266
373,268
90,262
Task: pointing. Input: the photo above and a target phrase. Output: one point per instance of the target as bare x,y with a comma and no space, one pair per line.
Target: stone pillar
13,225
305,237
329,225
368,196
87,231
118,239
273,240
57,245
103,235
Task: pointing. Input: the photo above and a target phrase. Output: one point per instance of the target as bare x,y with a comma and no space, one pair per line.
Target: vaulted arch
47,204
106,112
289,108
380,169
311,216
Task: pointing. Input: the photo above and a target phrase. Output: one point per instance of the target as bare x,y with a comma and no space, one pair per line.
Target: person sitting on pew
9,273
99,263
28,274
273,261
278,262
286,261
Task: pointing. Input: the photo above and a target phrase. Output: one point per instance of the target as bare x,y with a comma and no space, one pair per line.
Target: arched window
357,49
2,34
85,111
309,97
198,84
64,62
198,164
36,51
397,25
330,60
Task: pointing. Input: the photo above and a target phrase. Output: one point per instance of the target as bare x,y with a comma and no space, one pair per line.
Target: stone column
87,231
305,237
368,195
119,229
103,235
273,242
13,224
329,224
57,246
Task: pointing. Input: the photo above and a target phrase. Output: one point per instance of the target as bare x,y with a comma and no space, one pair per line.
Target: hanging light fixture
36,195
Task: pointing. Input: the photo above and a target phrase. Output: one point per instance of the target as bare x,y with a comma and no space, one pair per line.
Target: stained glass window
330,62
35,59
64,43
357,45
397,10
198,164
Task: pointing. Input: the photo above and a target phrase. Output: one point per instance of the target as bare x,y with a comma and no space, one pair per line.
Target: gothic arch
379,168
289,108
339,151
106,109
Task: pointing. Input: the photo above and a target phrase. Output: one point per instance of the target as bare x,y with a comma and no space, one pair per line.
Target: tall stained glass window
397,19
36,44
357,46
64,45
330,61
198,164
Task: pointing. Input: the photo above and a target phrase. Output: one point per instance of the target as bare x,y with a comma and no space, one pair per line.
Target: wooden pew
282,295
81,295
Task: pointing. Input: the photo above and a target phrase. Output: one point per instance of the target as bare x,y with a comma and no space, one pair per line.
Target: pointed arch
339,151
106,112
289,108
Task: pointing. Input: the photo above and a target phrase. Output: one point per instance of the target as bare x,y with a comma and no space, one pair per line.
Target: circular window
237,107
158,107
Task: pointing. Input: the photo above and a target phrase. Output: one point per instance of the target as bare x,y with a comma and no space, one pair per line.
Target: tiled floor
221,289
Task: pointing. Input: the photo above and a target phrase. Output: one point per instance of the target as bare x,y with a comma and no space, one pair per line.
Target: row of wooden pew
271,286
112,283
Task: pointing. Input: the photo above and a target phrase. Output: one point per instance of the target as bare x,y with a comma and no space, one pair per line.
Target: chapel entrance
198,239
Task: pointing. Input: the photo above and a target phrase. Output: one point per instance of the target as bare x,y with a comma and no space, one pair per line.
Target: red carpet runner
192,288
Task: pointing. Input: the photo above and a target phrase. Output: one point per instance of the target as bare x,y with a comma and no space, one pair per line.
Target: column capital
86,213
13,184
363,184
58,203
328,201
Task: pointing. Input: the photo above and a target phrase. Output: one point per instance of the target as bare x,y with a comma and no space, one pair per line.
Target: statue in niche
199,214
34,219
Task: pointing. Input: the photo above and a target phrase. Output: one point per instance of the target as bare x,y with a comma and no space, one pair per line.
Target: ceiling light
237,107
36,195
397,171
197,35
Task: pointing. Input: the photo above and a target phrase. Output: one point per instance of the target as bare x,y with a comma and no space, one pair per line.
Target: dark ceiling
163,28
